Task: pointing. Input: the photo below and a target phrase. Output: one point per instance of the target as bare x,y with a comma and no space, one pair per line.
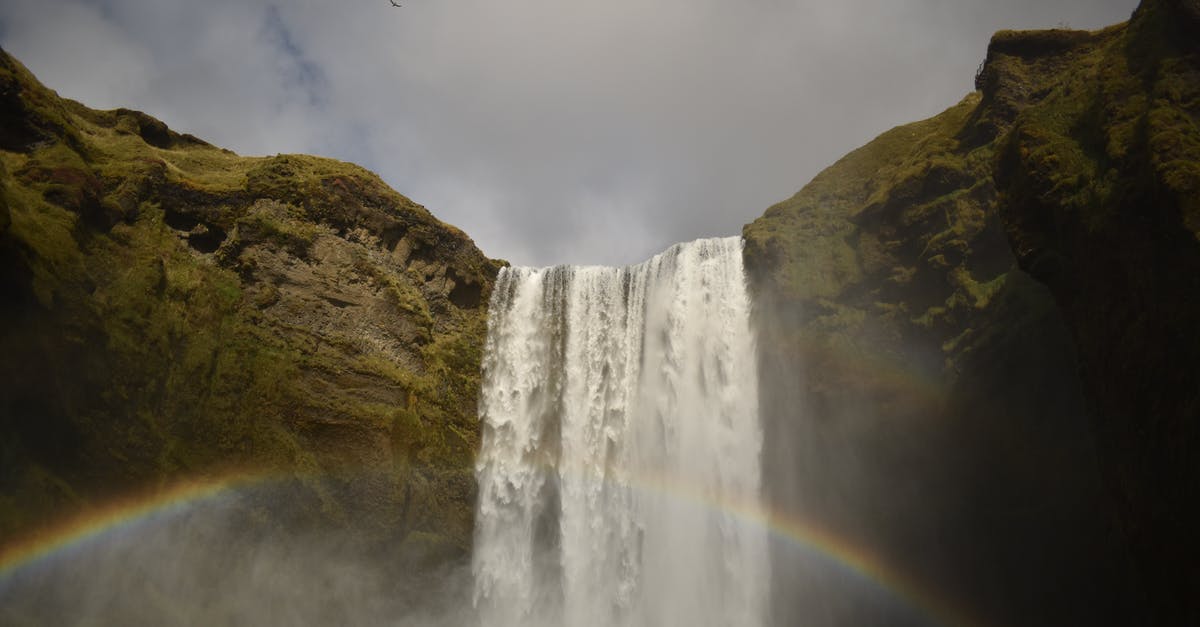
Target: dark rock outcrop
1025,265
1100,195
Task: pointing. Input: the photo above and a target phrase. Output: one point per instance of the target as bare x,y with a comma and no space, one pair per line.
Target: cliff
1024,267
976,334
174,312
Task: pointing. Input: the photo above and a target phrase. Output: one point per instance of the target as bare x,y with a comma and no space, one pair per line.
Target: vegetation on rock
1028,261
174,311
1100,193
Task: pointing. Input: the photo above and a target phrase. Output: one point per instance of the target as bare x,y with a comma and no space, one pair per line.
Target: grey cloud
552,132
301,76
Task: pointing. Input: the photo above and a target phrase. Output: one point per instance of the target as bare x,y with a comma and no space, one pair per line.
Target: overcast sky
551,131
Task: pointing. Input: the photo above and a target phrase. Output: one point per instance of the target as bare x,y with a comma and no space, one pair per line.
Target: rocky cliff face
989,313
174,311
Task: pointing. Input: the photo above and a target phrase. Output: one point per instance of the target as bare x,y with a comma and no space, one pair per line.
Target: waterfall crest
621,446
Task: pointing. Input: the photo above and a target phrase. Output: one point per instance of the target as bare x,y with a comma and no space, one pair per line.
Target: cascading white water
621,446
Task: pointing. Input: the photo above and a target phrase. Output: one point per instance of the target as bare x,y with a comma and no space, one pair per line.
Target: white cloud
78,51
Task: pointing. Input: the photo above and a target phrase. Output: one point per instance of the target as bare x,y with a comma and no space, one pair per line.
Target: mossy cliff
173,311
1100,196
1027,266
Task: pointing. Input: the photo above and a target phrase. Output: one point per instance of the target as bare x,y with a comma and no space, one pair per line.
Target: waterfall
619,471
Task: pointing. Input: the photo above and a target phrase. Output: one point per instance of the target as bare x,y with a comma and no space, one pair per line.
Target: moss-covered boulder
172,311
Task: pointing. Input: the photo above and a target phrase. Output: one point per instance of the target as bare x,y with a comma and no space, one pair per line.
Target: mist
979,489
242,557
972,500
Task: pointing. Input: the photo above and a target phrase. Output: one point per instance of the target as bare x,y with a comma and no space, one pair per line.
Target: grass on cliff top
113,139
807,236
899,154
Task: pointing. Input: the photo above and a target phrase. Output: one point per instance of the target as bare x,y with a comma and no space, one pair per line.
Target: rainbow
78,529
811,536
805,534
867,566
886,373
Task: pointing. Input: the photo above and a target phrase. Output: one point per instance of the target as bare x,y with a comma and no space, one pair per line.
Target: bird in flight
394,3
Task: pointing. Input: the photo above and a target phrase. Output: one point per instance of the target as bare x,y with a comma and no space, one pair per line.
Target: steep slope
988,313
173,312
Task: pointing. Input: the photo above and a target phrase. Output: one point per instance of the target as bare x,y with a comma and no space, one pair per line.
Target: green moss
901,243
408,299
1079,164
805,242
282,225
45,233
